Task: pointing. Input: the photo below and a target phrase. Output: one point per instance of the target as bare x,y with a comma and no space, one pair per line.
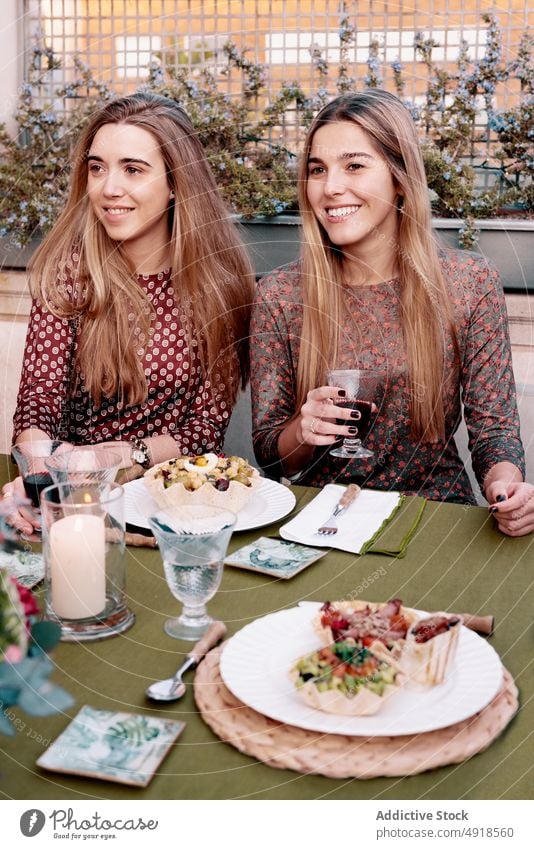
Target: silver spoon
174,688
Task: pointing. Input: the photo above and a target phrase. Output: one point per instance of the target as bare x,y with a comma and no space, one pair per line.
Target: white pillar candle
78,566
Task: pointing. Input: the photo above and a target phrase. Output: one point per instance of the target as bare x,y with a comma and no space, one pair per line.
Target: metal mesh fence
118,38
309,42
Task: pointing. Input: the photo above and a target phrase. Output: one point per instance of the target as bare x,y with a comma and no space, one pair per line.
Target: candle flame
87,498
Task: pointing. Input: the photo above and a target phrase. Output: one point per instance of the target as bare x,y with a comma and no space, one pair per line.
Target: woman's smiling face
128,188
350,187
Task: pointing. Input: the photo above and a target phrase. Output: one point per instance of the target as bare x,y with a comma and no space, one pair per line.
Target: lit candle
78,566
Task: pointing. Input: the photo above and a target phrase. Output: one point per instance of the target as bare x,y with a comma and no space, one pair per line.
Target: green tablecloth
457,561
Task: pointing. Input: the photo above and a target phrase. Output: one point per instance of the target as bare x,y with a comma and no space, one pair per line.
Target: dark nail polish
500,498
494,509
355,414
353,430
341,393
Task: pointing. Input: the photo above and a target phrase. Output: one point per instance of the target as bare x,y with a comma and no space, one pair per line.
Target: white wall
11,55
14,311
12,335
12,332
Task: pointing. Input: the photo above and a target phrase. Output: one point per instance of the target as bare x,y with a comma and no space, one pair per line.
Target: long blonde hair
426,312
211,272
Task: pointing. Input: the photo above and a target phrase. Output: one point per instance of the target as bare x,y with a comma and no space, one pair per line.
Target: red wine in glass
360,387
34,485
360,421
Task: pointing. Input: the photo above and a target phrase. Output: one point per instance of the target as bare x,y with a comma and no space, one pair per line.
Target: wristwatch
140,452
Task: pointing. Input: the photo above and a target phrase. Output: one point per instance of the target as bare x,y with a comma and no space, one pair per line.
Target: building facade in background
118,39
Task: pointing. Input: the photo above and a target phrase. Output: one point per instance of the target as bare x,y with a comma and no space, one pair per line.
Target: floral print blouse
372,338
179,402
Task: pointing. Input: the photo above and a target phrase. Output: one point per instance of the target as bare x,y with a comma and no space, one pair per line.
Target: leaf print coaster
114,746
274,557
26,566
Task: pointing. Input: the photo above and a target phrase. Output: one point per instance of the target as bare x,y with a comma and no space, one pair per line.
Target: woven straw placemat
339,756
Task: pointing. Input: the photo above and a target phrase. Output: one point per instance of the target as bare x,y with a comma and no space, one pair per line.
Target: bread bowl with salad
366,622
346,678
424,646
207,479
430,648
370,650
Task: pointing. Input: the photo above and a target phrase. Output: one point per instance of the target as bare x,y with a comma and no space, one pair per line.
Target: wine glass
360,387
192,540
30,457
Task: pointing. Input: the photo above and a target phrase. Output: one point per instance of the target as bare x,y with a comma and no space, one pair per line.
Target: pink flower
31,608
14,625
13,654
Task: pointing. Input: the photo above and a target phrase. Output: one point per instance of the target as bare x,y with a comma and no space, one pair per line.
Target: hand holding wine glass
30,457
359,387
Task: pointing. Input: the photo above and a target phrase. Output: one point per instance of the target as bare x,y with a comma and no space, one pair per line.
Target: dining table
457,561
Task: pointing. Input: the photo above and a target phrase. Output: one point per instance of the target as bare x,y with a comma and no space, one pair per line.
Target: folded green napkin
394,535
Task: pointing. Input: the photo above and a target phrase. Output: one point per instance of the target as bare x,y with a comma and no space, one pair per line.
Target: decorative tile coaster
114,746
274,557
26,566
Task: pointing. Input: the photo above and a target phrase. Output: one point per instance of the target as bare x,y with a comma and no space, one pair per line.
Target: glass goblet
30,457
193,540
360,387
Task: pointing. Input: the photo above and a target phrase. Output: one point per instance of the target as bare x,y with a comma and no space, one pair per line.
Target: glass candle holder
85,569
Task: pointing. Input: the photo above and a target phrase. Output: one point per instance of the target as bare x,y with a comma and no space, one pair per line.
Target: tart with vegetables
366,622
346,678
430,648
208,479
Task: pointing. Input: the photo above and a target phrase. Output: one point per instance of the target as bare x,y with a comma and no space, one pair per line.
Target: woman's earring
171,196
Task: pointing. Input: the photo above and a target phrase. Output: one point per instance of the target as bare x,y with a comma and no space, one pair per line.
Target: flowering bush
257,175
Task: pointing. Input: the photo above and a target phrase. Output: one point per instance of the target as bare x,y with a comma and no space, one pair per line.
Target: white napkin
356,525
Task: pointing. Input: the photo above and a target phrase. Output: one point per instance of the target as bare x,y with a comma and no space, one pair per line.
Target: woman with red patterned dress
138,332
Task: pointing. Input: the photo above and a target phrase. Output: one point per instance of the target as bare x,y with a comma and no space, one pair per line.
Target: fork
330,526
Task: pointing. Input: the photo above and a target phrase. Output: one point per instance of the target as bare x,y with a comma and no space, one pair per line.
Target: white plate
270,502
256,661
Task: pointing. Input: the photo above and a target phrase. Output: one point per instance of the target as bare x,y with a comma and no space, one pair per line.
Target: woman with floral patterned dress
373,290
138,332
